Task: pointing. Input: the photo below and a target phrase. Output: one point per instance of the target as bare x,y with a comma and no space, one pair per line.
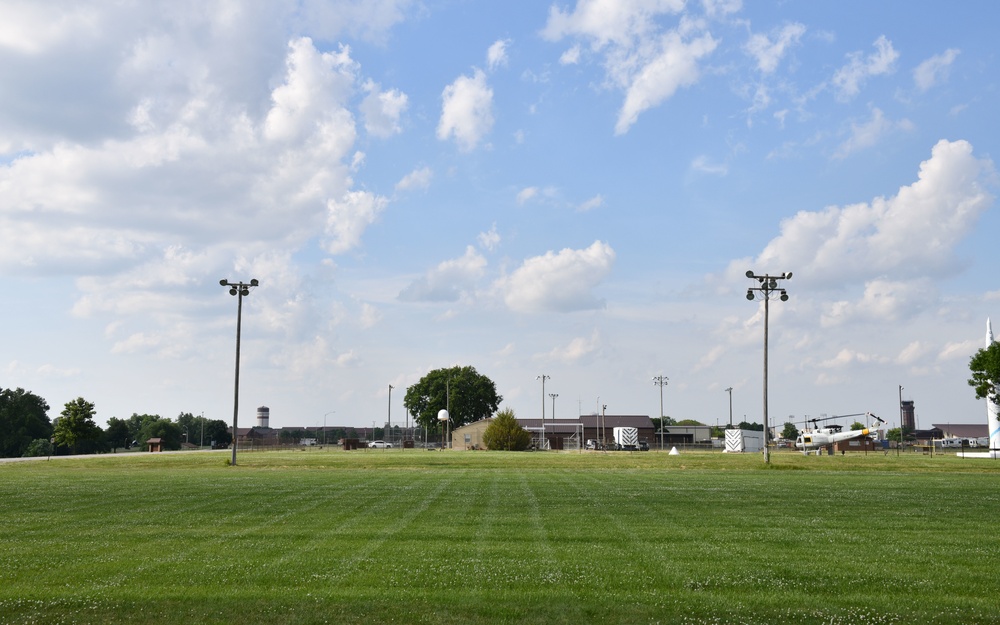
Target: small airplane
819,437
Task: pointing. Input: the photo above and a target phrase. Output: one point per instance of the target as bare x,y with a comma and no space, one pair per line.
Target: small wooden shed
155,444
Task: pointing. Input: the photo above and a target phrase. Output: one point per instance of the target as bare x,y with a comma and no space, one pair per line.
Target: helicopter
819,437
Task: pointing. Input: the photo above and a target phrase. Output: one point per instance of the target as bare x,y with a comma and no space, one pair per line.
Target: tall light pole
390,411
543,377
900,420
553,396
661,381
238,289
730,391
767,288
324,424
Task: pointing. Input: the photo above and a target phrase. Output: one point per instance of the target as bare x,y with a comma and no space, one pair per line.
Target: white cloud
911,234
593,203
526,194
467,111
963,350
768,52
496,56
715,8
571,56
382,110
577,350
348,217
849,78
912,353
559,282
449,280
935,69
883,300
673,67
640,58
489,240
370,316
868,134
703,164
416,179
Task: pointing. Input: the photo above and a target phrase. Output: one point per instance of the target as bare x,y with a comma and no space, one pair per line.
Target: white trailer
627,439
744,441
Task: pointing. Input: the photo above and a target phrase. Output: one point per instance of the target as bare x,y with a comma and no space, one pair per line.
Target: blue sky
573,189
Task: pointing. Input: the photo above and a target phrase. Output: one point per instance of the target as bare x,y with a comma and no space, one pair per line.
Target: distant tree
689,422
164,429
117,433
137,423
857,425
505,433
38,447
752,427
217,432
23,418
790,432
985,368
473,396
665,422
75,425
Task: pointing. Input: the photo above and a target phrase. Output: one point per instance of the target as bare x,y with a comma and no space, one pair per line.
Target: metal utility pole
661,381
238,289
543,377
766,289
389,416
553,396
730,391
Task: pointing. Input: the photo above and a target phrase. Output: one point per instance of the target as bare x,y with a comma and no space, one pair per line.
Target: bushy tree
473,396
790,432
117,433
23,418
75,426
985,368
38,447
505,433
164,429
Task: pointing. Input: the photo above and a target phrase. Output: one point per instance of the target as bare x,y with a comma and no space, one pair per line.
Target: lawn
486,537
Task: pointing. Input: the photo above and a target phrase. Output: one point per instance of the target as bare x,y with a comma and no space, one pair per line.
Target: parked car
380,445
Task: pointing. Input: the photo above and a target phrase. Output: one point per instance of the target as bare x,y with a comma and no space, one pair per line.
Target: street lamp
543,377
661,381
767,288
239,290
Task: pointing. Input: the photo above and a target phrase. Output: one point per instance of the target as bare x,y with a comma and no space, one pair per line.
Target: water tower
263,416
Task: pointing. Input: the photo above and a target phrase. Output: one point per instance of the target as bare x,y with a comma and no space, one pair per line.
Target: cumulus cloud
935,69
348,217
769,50
883,300
641,58
467,111
448,281
849,78
558,282
496,56
915,233
382,110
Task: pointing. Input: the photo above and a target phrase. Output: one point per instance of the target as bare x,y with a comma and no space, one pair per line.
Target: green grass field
486,537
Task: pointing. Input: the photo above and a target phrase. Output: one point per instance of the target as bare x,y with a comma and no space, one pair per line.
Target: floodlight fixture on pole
661,381
767,287
238,290
543,377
